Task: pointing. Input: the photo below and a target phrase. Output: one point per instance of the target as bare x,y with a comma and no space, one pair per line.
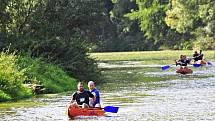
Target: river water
177,98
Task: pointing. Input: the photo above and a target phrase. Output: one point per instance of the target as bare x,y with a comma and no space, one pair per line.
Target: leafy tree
58,30
122,34
150,15
193,17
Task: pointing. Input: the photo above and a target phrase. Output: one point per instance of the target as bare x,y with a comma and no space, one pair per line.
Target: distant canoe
74,111
184,70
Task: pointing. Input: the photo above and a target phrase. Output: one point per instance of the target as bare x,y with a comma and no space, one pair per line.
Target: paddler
183,61
81,97
95,92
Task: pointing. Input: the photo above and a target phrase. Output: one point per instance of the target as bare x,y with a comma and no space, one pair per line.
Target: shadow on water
143,92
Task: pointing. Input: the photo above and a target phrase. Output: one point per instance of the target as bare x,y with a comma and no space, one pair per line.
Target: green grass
156,57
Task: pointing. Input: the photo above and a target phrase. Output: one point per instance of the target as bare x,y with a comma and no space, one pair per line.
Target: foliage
181,17
52,77
117,25
122,34
4,96
165,23
61,31
193,17
12,78
18,70
150,15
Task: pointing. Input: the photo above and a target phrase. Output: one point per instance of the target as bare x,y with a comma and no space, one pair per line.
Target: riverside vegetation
16,70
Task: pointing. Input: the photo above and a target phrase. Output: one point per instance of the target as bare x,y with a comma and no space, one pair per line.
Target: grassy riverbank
149,57
17,71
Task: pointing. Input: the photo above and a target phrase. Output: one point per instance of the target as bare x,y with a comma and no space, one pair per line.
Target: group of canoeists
184,61
87,102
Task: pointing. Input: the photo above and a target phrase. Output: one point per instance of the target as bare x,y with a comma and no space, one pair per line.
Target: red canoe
74,111
184,70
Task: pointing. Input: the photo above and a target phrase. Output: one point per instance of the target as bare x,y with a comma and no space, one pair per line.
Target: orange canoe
184,70
74,111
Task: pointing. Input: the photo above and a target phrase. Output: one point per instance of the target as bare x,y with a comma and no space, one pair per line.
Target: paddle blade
209,63
165,67
111,109
196,65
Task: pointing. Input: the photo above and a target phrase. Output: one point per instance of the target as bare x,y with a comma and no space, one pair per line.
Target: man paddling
183,61
196,56
81,97
95,92
201,55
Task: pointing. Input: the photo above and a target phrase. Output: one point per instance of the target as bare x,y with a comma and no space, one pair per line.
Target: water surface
143,92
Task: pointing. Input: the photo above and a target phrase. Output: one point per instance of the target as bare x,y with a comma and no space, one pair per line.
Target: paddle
209,63
165,67
111,109
168,66
196,65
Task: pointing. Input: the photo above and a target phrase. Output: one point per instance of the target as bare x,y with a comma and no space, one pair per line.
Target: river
174,97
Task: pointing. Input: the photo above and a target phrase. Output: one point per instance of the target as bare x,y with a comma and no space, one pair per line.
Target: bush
206,43
52,77
12,78
4,96
71,55
16,70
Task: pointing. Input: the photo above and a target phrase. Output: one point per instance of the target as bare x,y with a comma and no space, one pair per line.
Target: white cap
90,82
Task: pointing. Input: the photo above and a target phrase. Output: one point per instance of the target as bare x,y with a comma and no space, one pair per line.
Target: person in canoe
201,55
95,92
183,61
196,56
81,97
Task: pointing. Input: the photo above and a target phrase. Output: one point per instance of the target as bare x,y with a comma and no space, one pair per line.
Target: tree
57,30
193,17
151,14
122,34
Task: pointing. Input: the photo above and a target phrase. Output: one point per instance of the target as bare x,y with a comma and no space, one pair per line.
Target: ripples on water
189,97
